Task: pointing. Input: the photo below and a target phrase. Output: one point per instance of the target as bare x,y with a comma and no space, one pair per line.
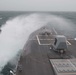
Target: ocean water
17,26
6,15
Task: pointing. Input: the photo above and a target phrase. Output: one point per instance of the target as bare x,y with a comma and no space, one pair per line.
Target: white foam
15,34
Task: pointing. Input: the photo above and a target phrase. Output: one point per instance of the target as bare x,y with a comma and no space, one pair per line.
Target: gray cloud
38,5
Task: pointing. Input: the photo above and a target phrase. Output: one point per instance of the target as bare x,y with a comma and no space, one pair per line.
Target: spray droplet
74,38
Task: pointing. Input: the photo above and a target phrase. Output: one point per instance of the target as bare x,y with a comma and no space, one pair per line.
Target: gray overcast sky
38,5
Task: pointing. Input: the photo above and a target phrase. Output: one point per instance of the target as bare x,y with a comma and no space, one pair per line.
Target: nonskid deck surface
37,52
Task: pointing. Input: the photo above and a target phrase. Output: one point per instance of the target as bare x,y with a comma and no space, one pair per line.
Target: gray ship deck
36,55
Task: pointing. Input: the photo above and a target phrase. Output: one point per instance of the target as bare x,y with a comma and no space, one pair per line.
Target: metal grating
64,66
